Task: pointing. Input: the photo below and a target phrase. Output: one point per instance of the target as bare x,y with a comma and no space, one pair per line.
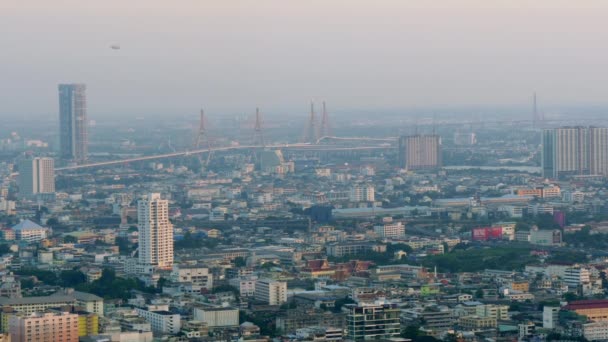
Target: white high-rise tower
155,232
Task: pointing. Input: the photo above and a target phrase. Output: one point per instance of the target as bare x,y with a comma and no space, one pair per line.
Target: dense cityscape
293,171
451,230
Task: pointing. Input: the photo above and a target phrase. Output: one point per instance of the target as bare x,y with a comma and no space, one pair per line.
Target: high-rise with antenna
202,138
325,126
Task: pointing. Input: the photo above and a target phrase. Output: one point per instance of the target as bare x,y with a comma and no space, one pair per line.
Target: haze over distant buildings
232,57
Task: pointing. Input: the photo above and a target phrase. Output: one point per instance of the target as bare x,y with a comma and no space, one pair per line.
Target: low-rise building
47,326
217,317
375,321
270,291
162,322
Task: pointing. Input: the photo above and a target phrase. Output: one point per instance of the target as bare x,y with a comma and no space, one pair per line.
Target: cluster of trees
66,278
109,286
190,242
567,257
124,246
5,249
584,238
386,258
477,259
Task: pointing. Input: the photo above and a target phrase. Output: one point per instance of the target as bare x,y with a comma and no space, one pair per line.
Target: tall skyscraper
36,176
420,152
73,130
598,151
569,151
155,232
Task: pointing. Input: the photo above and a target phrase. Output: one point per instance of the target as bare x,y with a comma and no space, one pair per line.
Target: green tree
240,262
72,278
70,239
5,249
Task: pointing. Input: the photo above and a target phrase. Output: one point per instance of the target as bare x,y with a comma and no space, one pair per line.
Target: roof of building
164,313
85,296
36,300
587,304
27,224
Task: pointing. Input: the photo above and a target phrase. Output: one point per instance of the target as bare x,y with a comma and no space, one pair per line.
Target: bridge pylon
202,139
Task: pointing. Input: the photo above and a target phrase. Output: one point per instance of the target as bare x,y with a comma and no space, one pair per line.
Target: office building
350,248
550,317
73,130
576,276
29,231
546,237
161,322
572,151
372,322
217,317
44,327
155,232
271,292
292,320
438,319
420,152
390,230
595,331
477,323
362,193
196,275
598,151
88,323
88,301
36,176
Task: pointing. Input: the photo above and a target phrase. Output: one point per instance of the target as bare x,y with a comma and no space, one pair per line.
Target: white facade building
596,331
155,232
271,291
30,231
391,230
217,317
192,274
162,322
362,193
575,276
246,286
550,317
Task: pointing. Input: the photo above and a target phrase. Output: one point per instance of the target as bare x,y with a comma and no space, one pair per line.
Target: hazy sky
231,56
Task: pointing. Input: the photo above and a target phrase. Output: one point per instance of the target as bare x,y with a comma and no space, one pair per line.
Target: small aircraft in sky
115,47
